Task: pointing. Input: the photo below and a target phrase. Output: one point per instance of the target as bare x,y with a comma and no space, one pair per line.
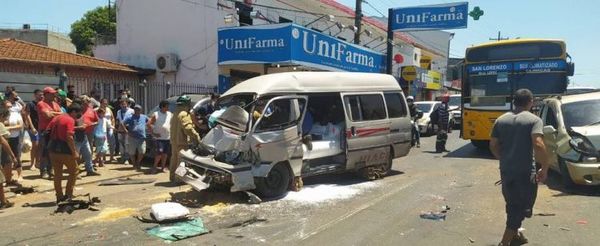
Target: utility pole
499,38
357,21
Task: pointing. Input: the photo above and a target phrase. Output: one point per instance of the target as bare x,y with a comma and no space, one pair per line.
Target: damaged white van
275,129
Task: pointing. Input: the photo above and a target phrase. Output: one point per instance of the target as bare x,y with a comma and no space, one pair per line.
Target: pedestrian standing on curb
14,124
4,114
82,143
516,137
183,133
135,128
100,138
443,117
124,112
47,109
110,123
160,126
62,151
32,123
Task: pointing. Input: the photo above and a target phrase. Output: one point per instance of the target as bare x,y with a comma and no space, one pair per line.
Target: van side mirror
570,69
547,130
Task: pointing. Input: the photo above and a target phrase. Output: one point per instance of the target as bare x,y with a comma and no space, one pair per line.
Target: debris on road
71,205
126,181
178,231
169,211
582,222
545,214
247,222
433,216
471,240
252,198
546,225
22,189
565,228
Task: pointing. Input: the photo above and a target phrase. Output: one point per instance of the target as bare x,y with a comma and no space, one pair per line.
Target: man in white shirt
160,126
123,113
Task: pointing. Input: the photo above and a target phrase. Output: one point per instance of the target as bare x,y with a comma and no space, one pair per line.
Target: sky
576,22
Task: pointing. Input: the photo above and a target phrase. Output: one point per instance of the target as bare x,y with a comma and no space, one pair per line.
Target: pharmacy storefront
422,84
250,51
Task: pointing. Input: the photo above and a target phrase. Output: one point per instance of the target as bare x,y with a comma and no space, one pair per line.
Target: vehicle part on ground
374,172
276,183
297,184
252,198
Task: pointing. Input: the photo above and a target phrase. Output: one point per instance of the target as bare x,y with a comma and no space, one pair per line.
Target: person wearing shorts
32,122
135,128
62,151
160,126
516,136
47,109
4,113
100,138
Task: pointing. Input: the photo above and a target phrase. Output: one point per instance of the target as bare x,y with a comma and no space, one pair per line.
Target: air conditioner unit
166,62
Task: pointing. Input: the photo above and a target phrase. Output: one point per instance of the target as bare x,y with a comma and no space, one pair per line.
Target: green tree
94,27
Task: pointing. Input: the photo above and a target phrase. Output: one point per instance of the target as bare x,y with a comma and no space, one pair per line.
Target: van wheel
275,184
565,176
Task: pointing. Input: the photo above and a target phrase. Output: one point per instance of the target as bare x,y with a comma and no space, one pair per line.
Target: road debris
73,204
582,222
169,211
252,198
247,222
433,216
545,214
22,190
178,231
565,228
126,181
471,240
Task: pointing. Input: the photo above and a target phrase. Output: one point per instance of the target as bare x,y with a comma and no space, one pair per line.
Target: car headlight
583,145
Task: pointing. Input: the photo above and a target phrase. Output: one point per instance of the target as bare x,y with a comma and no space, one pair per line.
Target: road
330,210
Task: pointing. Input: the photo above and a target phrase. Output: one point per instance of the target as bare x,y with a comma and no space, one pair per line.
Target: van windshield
242,100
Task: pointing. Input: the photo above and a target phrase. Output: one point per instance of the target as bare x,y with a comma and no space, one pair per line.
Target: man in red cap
47,109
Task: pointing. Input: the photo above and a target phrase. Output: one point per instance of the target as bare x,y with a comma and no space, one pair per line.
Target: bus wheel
481,144
275,184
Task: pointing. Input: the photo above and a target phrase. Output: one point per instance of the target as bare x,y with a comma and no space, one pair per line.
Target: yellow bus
493,71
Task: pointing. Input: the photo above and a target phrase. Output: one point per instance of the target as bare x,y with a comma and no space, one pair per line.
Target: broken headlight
583,145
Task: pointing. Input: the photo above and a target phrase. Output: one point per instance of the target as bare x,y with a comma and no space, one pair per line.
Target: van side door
549,118
400,127
367,129
276,136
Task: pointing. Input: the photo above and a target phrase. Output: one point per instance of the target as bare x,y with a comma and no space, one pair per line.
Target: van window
396,106
551,118
365,107
280,114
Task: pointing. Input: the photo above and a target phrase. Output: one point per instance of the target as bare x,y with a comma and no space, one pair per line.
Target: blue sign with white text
541,66
295,44
490,68
431,17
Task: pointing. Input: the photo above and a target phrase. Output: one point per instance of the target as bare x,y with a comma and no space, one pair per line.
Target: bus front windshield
500,86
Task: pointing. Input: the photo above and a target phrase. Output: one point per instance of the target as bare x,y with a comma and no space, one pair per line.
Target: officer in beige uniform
182,132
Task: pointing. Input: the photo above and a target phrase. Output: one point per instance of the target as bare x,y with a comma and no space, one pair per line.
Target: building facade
44,37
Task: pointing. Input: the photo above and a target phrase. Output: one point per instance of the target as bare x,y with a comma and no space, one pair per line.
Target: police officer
182,132
415,114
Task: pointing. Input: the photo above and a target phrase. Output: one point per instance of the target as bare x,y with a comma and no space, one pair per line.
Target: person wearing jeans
123,113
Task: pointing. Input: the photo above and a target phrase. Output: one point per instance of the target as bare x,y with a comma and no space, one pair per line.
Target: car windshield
581,113
454,102
424,107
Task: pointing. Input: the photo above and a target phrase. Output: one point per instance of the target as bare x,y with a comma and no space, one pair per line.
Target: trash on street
178,231
169,211
126,181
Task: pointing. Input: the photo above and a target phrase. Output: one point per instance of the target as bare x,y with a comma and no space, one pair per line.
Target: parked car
424,123
278,128
572,137
198,100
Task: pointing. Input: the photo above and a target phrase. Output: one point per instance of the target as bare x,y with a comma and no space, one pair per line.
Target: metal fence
155,92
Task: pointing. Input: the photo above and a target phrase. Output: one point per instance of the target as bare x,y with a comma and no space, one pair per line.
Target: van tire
565,176
275,184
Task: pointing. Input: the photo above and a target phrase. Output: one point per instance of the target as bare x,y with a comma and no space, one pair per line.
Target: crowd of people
63,130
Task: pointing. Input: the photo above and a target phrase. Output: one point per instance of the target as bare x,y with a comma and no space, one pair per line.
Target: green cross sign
476,13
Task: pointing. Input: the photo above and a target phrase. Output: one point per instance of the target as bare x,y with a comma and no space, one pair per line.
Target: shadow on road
469,151
341,179
554,182
198,199
41,205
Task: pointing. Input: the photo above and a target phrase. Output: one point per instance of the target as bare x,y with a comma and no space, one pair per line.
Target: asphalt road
330,210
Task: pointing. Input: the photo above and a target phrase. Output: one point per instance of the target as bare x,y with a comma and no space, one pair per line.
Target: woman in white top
110,132
14,125
160,126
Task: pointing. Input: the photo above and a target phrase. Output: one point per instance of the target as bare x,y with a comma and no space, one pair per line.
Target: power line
373,7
